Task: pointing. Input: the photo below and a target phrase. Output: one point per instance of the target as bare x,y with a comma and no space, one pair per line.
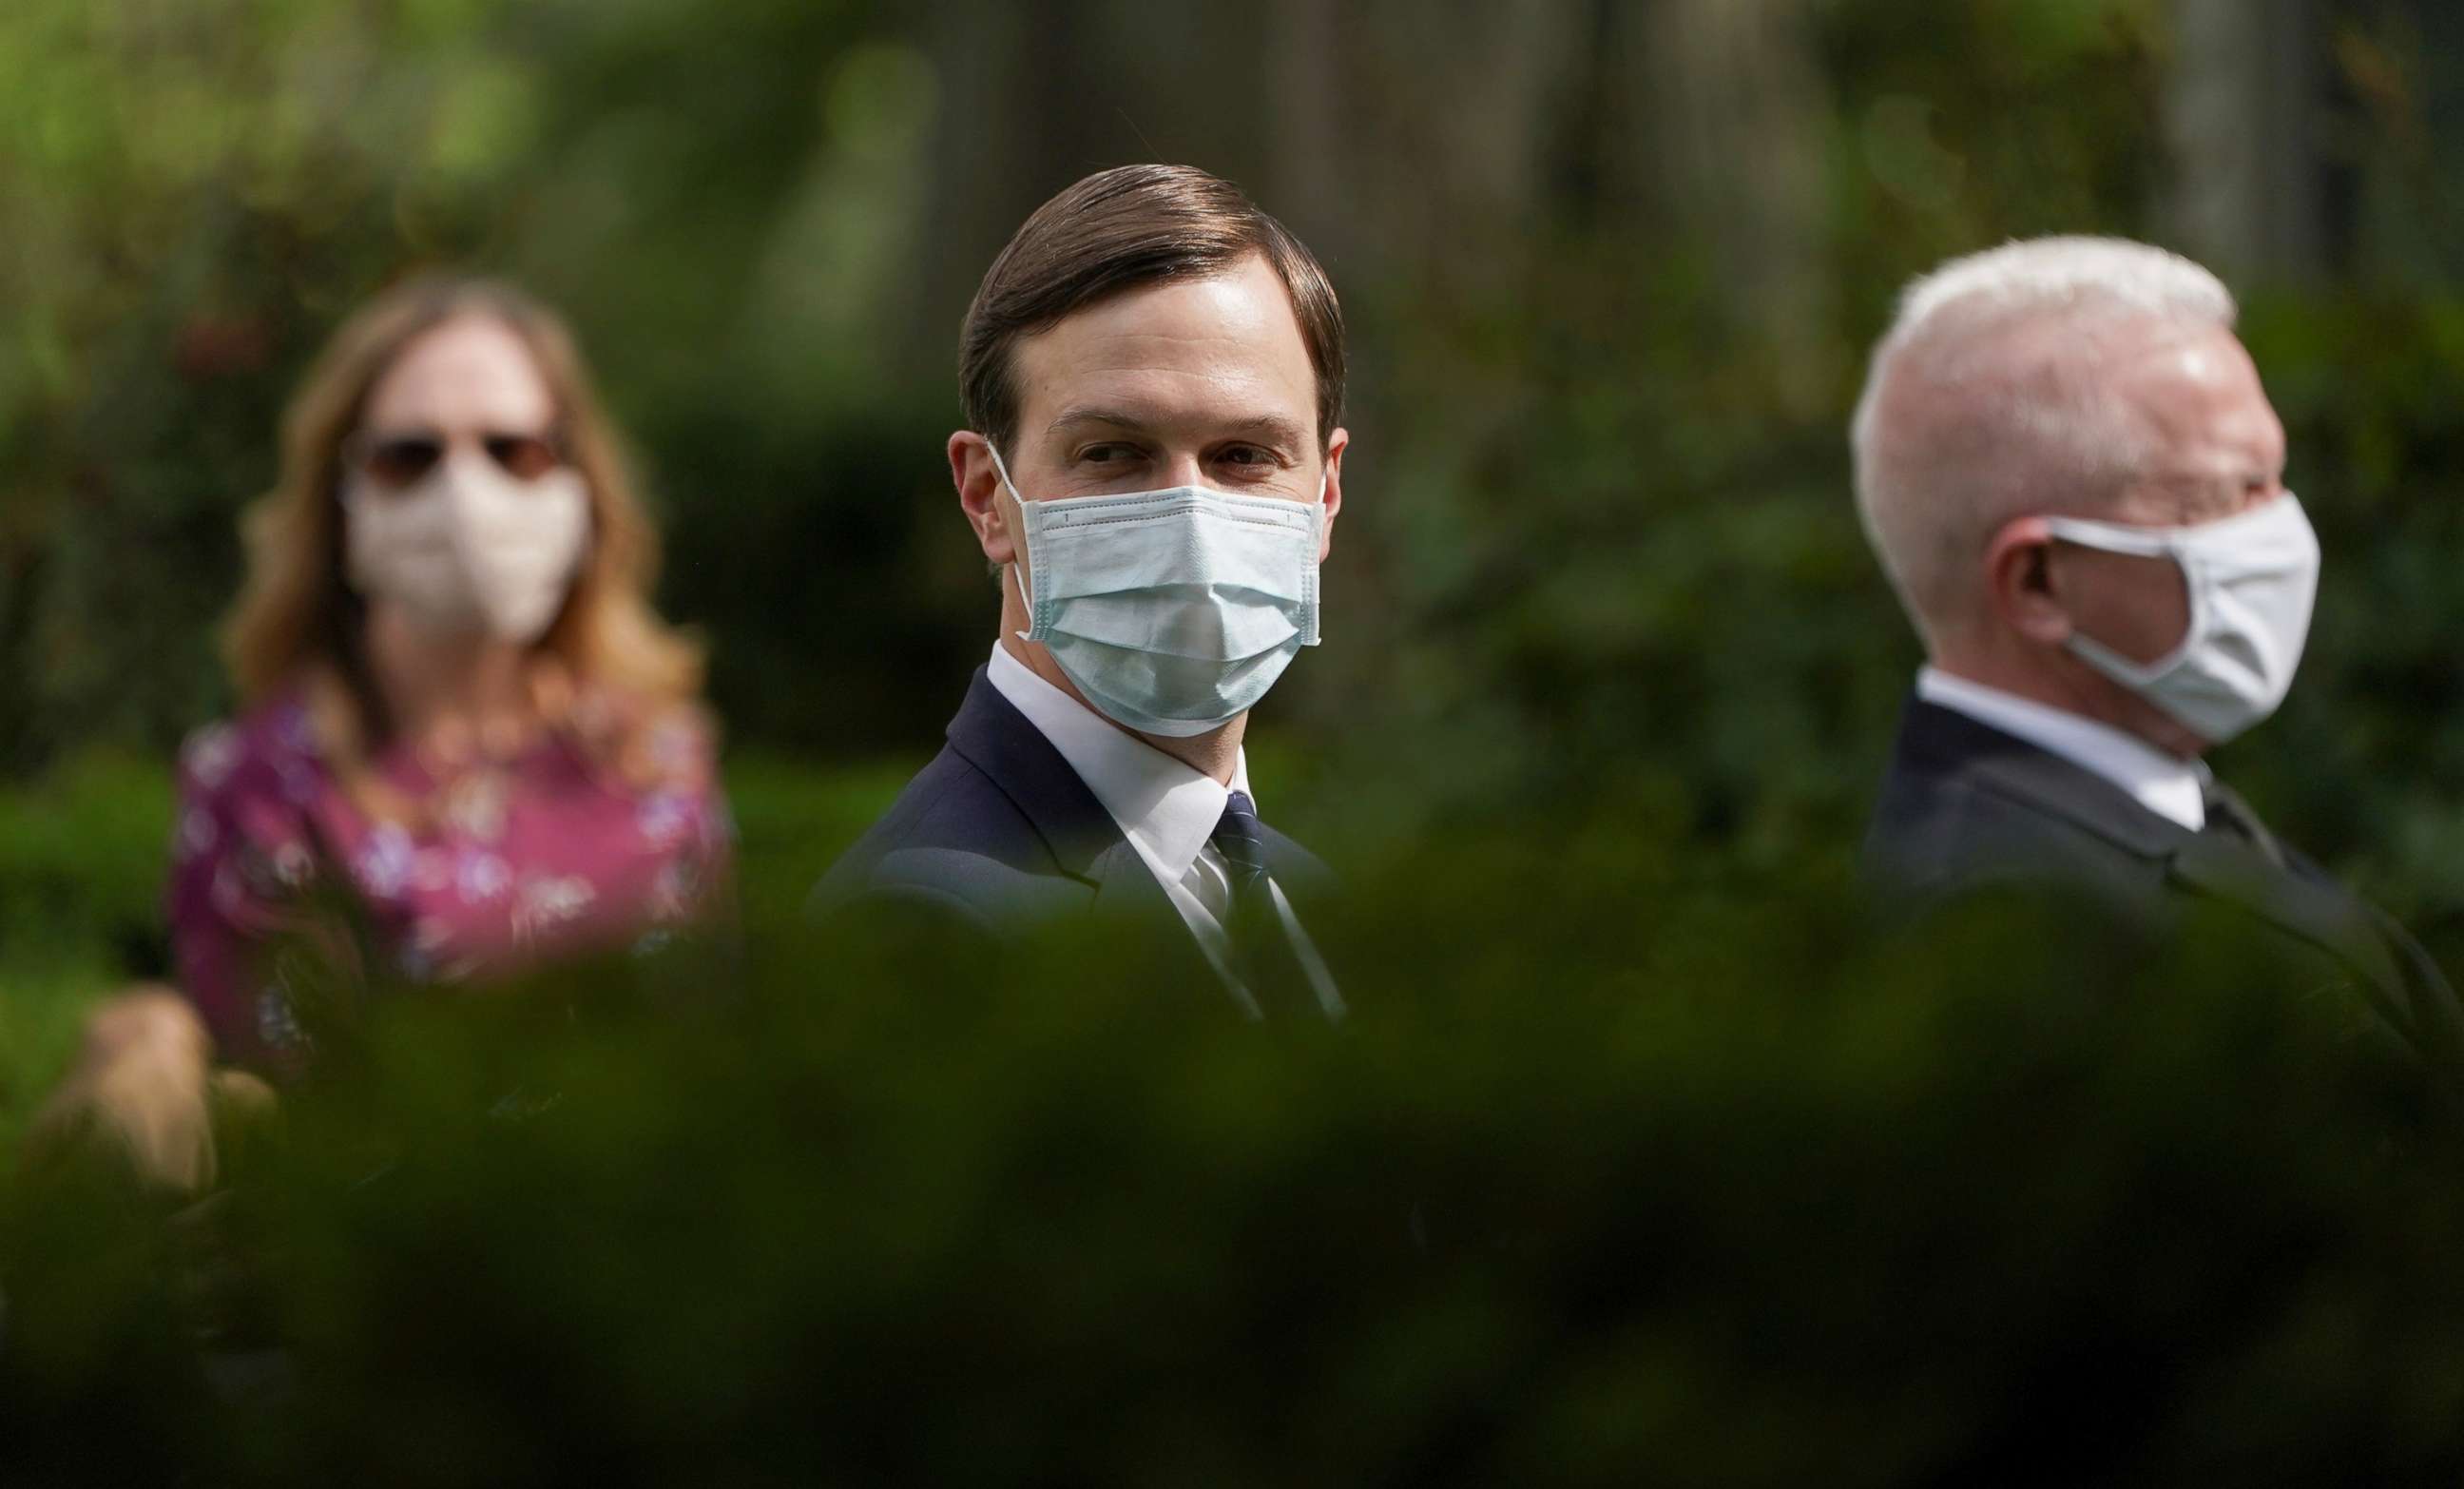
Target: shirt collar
1164,808
2164,783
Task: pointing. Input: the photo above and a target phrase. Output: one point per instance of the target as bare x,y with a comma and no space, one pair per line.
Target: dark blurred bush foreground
1703,1194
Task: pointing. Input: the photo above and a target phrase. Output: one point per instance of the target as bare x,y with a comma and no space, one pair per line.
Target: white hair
1990,398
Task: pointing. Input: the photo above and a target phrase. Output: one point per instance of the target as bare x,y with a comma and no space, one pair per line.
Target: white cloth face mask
1175,611
469,548
2251,579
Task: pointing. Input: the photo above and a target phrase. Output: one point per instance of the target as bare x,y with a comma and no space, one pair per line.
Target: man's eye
1247,455
1104,455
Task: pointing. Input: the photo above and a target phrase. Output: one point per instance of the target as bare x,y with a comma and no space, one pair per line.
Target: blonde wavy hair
607,669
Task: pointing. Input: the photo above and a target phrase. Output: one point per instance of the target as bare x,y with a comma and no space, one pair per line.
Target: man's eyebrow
1274,427
1088,413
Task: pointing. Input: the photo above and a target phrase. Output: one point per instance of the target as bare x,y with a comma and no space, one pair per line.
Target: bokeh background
1610,268
1692,1170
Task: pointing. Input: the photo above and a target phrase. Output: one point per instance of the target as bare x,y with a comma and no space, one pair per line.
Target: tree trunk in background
1729,113
2243,118
1306,131
1406,138
1444,147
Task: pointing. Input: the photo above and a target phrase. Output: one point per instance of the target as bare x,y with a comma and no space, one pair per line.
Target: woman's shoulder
249,789
267,751
657,745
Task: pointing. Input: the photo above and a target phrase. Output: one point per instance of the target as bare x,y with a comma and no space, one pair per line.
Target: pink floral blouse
541,857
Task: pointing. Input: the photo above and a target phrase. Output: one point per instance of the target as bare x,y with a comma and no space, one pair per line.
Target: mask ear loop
2112,538
1019,565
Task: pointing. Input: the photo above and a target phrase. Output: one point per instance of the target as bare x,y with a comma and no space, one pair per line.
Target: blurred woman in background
466,743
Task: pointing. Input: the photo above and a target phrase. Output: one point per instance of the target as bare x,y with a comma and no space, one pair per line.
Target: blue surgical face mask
1174,611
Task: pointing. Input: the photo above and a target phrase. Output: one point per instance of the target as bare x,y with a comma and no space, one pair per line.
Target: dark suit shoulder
1965,807
1941,834
1967,810
953,839
952,804
987,892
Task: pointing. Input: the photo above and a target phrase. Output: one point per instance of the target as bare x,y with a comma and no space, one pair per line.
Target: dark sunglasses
398,461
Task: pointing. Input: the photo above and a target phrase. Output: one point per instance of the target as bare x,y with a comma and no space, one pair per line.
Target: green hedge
83,856
1601,1184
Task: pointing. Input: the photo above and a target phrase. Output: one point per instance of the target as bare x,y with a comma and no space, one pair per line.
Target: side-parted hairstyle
1991,398
1122,229
607,665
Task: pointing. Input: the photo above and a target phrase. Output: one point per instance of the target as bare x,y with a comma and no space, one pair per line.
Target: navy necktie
1262,956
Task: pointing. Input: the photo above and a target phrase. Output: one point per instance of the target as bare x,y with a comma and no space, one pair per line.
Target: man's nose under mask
469,549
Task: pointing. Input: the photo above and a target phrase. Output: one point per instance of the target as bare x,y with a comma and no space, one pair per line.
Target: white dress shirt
1168,813
2159,780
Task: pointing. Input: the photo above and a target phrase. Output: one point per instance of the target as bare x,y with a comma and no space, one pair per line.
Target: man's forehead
2198,399
2162,366
2206,353
2193,375
1188,349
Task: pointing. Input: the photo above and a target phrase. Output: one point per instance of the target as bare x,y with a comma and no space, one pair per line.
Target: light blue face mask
1174,611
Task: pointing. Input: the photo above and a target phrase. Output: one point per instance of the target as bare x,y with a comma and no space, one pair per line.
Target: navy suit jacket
1965,807
999,834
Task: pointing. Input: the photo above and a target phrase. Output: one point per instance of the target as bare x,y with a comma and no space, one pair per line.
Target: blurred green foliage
1599,565
81,864
1702,1195
202,191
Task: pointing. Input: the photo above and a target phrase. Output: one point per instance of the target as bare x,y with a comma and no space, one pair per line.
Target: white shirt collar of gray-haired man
2071,472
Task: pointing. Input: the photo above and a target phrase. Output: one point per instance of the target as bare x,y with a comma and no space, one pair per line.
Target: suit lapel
1305,883
998,740
1125,890
1086,843
2437,1024
2214,864
1125,886
1942,741
2310,908
1303,878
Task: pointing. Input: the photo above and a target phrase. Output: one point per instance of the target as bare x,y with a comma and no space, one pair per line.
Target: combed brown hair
301,626
1121,229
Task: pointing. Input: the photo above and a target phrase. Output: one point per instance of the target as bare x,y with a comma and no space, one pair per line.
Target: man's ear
2020,583
980,486
1331,492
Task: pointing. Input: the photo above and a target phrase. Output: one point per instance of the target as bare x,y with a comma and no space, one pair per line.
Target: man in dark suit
1152,372
2071,472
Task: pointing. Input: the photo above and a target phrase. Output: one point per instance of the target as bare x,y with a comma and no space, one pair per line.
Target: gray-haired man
2068,468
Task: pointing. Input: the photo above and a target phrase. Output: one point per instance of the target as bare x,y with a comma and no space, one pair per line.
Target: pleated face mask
1174,611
